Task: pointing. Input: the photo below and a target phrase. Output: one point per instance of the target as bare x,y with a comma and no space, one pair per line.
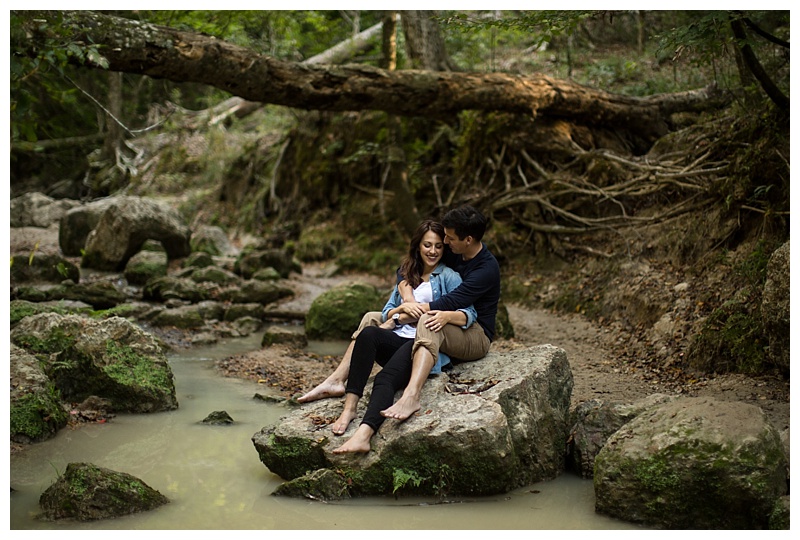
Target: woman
390,343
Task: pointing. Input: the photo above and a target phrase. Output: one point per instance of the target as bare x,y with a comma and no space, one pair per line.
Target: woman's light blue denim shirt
443,280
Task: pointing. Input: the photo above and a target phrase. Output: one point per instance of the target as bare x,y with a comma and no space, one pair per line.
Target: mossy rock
283,335
267,274
110,358
36,412
336,313
145,266
86,492
40,267
99,294
216,275
198,259
169,287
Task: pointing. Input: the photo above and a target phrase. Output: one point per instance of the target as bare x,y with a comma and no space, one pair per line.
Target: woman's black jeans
393,354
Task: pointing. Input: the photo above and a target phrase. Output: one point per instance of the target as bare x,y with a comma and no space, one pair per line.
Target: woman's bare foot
402,409
343,422
358,443
325,389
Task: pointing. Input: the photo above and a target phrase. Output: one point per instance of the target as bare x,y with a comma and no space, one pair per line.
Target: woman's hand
413,309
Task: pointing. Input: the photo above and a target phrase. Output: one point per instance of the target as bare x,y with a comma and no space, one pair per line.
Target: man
480,273
464,228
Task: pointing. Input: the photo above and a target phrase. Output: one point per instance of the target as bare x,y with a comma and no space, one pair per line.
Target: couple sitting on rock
444,306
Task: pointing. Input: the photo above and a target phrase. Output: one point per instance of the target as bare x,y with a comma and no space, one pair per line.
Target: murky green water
215,480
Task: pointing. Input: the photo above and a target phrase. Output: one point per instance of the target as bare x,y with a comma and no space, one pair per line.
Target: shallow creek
215,480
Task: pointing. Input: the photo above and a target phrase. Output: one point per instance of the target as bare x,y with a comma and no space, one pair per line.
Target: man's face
457,246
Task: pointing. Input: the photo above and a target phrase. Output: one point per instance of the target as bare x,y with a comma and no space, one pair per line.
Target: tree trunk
389,41
162,52
755,67
424,41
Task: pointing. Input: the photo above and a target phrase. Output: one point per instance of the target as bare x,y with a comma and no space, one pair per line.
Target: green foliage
732,338
401,478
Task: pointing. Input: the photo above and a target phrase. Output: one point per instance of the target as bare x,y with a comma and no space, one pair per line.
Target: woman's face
430,249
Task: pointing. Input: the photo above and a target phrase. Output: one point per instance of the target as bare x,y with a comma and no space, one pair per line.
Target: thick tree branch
160,52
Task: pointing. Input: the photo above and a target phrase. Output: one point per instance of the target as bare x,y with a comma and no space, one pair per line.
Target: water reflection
215,480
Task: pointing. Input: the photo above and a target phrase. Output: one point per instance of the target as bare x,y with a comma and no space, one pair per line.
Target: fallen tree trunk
162,52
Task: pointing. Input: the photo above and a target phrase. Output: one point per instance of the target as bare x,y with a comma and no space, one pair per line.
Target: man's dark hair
466,221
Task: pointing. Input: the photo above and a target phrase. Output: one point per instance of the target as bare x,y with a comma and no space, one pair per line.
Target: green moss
37,416
55,342
133,369
121,310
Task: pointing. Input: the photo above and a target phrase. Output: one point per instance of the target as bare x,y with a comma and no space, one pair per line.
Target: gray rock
282,261
198,259
110,358
98,294
38,210
86,492
214,274
189,316
35,413
76,224
263,292
144,266
775,308
594,421
218,418
212,240
506,429
42,267
284,335
693,463
125,226
169,287
237,311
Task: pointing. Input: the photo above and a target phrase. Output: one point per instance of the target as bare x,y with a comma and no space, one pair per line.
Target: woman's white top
424,295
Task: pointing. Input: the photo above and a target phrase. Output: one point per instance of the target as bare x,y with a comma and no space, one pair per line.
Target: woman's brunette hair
412,267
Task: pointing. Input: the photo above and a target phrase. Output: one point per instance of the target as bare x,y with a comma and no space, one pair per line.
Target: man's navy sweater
480,287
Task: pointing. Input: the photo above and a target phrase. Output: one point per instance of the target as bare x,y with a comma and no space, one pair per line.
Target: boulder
190,316
19,309
693,463
110,358
237,311
86,492
336,312
249,291
212,240
36,414
775,308
487,427
144,266
251,262
283,335
594,421
125,226
38,210
170,287
198,259
98,294
76,224
214,274
41,267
